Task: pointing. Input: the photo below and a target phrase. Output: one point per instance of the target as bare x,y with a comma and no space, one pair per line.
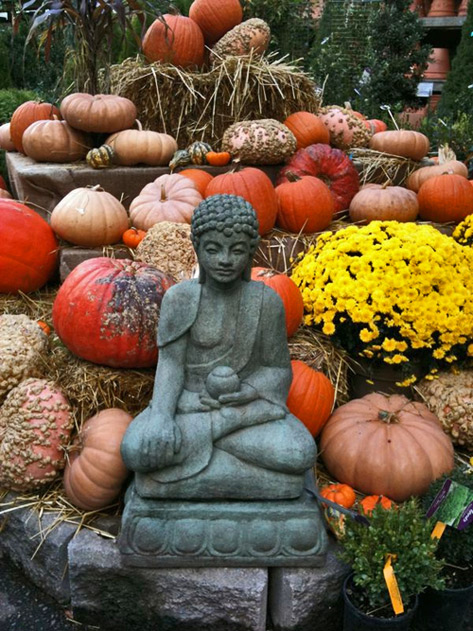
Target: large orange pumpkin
254,186
289,293
215,18
176,40
28,255
385,445
447,197
311,396
95,471
305,204
307,128
28,113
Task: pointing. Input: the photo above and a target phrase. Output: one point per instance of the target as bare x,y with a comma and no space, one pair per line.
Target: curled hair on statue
226,214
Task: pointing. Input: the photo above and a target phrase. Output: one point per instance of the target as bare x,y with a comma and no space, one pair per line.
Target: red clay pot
441,9
440,64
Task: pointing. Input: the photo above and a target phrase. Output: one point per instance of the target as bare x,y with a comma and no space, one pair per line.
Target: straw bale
201,105
376,167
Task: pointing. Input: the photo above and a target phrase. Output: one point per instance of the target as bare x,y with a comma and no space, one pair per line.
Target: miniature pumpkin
198,151
133,237
176,40
200,178
6,142
99,113
138,146
55,141
416,179
401,142
447,197
376,125
369,502
264,141
289,293
345,128
307,128
384,203
311,396
100,157
27,113
106,311
254,186
95,471
215,18
251,37
89,216
407,447
305,204
341,494
35,424
28,255
332,166
218,158
171,197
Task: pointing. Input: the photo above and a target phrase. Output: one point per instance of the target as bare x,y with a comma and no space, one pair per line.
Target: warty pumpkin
345,128
384,203
95,471
99,113
447,197
308,129
55,141
401,142
305,204
251,37
176,40
138,146
215,18
385,445
264,141
27,113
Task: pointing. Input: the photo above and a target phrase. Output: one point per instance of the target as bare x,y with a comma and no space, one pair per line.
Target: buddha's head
225,220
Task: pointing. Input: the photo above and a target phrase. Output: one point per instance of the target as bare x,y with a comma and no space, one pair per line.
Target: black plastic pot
444,610
356,620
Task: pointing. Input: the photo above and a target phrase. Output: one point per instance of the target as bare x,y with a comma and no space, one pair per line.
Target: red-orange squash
95,471
384,203
215,18
369,502
176,40
311,396
386,445
107,311
305,204
289,293
307,128
254,186
341,494
28,113
28,255
447,197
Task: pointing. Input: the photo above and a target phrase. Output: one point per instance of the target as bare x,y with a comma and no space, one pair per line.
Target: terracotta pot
463,8
441,9
440,64
413,117
434,101
418,5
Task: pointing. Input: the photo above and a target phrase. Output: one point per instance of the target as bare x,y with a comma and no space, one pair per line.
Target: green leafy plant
454,129
402,532
11,99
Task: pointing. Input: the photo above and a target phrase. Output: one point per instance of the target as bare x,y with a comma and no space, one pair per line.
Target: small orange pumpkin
133,237
218,158
342,494
369,502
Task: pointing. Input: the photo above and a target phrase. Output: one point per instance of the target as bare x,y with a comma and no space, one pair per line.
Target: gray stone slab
39,546
106,593
71,257
308,599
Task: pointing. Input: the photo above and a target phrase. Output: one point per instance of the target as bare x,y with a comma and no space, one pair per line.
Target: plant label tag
438,530
425,88
453,505
393,588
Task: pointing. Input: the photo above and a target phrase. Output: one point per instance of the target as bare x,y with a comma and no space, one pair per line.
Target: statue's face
224,258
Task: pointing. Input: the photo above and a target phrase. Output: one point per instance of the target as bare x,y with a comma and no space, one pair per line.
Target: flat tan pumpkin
55,141
416,179
138,146
401,142
384,203
171,197
100,113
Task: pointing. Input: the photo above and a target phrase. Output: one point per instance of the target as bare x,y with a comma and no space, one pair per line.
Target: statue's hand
160,444
246,394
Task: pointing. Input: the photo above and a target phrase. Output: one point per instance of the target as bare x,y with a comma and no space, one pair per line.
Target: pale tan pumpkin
89,217
101,113
384,203
6,143
416,179
55,141
401,142
138,146
171,197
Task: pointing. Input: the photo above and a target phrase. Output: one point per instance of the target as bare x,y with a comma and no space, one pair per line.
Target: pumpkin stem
237,163
139,125
292,177
387,417
163,193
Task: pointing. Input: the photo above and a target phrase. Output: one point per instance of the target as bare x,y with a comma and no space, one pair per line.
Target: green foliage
290,21
11,99
403,532
456,130
457,94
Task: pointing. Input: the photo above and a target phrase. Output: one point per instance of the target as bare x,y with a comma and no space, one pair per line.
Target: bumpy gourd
345,128
264,141
249,37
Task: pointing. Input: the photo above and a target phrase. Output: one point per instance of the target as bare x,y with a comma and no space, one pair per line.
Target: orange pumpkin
307,128
200,178
215,18
369,502
100,113
26,114
447,197
305,204
376,125
218,158
341,494
133,237
289,293
95,471
254,186
311,396
416,179
401,142
386,445
174,39
384,203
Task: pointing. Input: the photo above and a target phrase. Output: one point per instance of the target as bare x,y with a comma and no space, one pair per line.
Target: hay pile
201,105
376,167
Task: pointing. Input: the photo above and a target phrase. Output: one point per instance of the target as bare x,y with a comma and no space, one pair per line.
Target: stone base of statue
179,533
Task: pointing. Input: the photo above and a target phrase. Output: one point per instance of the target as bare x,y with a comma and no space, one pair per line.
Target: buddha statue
218,427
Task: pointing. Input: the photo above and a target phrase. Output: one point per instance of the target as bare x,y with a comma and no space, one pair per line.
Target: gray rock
106,593
308,599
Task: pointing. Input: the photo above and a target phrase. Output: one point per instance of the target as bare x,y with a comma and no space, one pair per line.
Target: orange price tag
438,530
391,583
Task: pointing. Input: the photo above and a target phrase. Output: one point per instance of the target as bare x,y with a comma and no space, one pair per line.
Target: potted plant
400,536
447,609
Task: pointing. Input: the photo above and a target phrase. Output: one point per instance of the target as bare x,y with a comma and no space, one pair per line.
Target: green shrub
456,130
11,99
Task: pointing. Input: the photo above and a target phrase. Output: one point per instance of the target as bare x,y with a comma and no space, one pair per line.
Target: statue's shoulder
270,298
185,288
178,310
